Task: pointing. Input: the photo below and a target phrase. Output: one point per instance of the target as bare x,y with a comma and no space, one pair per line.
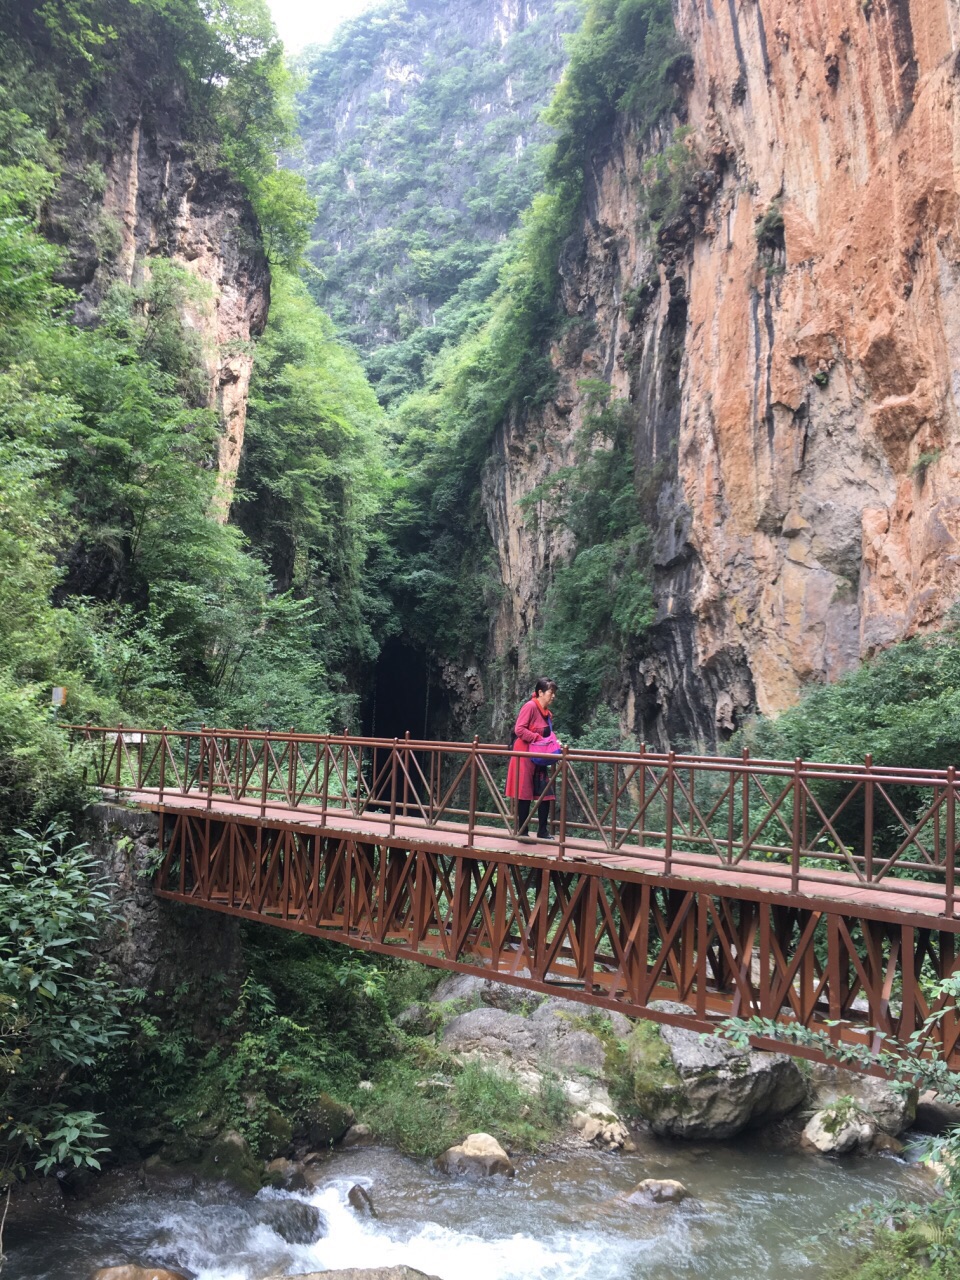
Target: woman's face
546,697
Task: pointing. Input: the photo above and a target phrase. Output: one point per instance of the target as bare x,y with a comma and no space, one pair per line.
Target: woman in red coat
526,779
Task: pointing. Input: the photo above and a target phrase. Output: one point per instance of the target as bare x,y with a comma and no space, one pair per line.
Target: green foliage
599,603
901,706
925,1246
624,60
58,1012
419,184
311,482
423,1106
221,62
925,1241
309,1020
444,583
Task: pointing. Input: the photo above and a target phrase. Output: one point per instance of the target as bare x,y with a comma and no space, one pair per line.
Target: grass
652,1077
424,1106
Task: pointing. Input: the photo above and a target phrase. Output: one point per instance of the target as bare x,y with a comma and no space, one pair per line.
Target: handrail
890,828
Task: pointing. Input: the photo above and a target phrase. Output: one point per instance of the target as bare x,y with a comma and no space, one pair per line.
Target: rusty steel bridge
818,894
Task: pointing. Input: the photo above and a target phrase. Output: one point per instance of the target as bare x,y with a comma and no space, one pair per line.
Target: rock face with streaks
789,342
138,194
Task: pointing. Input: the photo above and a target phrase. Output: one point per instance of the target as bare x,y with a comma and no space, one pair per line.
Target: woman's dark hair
543,685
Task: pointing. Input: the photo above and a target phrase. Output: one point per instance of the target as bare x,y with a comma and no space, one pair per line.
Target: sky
303,22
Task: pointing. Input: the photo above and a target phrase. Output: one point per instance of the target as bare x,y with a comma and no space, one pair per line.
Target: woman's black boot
543,820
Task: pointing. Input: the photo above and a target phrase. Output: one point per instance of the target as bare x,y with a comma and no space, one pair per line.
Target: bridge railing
890,828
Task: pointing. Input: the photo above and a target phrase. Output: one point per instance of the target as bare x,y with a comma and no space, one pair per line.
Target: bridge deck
924,903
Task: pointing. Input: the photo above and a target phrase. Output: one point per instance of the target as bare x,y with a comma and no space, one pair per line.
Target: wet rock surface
714,1089
364,1273
840,1129
293,1220
229,1159
132,1272
657,1191
479,1155
892,1109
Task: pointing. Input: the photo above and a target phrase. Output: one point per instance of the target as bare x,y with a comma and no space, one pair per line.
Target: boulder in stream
361,1200
689,1085
478,1154
892,1108
132,1272
229,1159
285,1173
657,1191
839,1129
293,1220
358,1135
327,1121
363,1273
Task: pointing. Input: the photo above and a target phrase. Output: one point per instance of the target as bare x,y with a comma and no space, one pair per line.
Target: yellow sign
59,698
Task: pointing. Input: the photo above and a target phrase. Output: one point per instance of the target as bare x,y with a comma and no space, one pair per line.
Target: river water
753,1213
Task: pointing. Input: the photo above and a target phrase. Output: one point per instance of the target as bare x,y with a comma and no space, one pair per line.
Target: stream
753,1213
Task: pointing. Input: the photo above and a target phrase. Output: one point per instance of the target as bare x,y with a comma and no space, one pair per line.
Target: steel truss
617,939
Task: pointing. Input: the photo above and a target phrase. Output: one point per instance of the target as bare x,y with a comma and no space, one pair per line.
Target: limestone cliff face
151,198
793,359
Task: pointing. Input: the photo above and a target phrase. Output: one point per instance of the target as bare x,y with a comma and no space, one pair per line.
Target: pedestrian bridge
818,894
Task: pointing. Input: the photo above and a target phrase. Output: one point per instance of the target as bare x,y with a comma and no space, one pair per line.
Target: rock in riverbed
892,1108
136,1273
478,1154
657,1191
688,1085
363,1273
839,1129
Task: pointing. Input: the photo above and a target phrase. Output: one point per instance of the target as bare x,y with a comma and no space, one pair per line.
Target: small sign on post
59,696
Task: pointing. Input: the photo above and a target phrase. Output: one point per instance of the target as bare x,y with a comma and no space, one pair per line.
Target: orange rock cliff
790,344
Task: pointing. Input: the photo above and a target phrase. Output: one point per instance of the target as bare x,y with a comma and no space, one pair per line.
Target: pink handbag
544,749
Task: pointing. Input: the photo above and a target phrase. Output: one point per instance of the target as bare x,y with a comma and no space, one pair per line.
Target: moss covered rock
276,1134
689,1085
326,1121
229,1159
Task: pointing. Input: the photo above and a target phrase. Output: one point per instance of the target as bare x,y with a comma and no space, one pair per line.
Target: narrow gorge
346,390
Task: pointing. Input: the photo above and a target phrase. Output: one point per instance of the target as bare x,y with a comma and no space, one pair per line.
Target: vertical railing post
163,759
643,793
119,753
795,841
406,772
951,841
731,805
393,785
211,747
868,819
325,788
472,816
242,765
613,807
293,755
186,765
263,773
668,825
745,804
562,833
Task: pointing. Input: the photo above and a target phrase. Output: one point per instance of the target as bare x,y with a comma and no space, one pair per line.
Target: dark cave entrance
405,697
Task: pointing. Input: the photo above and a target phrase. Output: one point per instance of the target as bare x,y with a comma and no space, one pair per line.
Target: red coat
532,724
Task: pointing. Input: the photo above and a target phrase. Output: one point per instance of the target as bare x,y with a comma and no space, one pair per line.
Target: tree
59,1010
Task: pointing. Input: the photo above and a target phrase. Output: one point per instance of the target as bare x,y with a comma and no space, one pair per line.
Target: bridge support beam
616,939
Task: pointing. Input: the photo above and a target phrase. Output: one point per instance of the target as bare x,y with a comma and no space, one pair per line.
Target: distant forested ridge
423,143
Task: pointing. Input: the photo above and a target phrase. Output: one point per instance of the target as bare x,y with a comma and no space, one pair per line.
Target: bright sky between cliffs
303,22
